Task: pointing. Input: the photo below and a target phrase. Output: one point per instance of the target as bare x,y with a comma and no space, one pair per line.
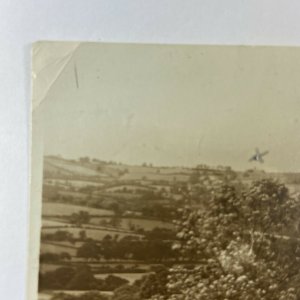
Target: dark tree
155,284
126,292
82,217
83,279
89,250
82,235
113,282
57,279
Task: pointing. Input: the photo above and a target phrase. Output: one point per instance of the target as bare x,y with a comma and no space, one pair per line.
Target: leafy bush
49,257
57,279
155,283
238,243
83,279
127,292
112,282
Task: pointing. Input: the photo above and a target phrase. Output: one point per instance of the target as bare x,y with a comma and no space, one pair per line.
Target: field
131,277
73,167
56,248
73,183
56,209
127,223
48,295
152,169
128,187
53,223
95,234
156,177
117,221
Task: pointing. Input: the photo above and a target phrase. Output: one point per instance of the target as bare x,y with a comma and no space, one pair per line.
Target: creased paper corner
49,60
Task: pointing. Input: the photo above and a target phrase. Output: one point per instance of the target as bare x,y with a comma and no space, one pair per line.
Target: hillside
117,219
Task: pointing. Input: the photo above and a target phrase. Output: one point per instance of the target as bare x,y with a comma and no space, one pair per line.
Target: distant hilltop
86,168
95,168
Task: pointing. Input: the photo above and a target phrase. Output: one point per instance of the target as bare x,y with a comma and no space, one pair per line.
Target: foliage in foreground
245,246
241,244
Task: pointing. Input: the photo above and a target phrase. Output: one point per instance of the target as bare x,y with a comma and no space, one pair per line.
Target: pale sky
176,105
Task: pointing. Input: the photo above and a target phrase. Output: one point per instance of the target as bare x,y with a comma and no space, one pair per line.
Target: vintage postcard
164,172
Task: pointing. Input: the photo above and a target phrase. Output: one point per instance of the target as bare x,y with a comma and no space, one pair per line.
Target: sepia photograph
164,172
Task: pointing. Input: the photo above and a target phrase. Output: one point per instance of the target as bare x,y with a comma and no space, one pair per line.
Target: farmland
95,234
115,223
90,205
131,277
54,209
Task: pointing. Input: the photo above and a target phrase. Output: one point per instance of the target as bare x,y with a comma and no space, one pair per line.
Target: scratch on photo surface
76,75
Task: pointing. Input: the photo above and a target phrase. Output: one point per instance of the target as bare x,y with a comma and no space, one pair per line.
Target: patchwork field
114,222
95,234
73,168
56,209
57,249
53,223
156,177
127,223
49,295
131,277
73,183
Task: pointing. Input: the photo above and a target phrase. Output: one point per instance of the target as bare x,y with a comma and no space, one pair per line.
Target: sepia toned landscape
165,172
117,231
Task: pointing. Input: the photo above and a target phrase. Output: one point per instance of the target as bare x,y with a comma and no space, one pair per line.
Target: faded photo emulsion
164,172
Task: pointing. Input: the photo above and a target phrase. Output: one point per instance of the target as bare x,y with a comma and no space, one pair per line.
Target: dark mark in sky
258,156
